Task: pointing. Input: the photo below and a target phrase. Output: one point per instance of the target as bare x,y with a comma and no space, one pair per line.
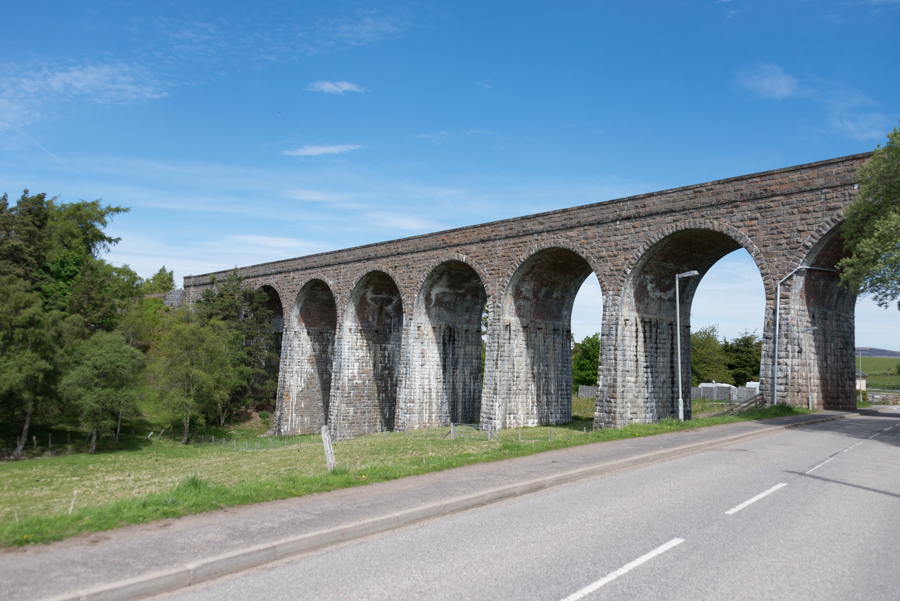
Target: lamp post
859,375
686,274
808,381
778,321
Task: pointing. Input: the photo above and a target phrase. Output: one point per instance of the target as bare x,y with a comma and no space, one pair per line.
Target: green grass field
149,480
882,372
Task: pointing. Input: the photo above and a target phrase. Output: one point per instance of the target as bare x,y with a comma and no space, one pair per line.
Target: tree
28,355
100,386
53,289
708,359
161,281
585,361
255,347
744,357
871,229
193,371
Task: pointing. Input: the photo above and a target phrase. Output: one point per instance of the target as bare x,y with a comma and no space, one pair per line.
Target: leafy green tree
100,385
871,229
585,361
744,357
255,347
161,281
140,322
193,371
708,358
102,293
53,287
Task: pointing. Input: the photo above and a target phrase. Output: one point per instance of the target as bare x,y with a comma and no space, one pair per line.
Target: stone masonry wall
634,246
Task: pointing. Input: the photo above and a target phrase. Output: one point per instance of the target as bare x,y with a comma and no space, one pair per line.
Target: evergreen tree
743,357
586,361
708,359
159,282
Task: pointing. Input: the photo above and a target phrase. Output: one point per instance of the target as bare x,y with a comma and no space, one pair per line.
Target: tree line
79,342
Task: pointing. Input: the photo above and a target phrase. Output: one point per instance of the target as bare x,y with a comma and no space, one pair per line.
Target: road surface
808,513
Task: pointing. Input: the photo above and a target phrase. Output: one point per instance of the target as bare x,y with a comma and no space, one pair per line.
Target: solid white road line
734,510
624,570
818,466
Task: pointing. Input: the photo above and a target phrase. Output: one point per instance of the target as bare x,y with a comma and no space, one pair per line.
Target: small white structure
861,380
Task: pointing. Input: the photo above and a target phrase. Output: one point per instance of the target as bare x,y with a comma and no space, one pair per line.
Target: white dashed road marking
737,508
624,570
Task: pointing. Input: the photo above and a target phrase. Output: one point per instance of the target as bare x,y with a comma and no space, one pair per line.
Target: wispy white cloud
849,113
334,87
29,94
338,201
363,28
274,242
850,116
403,221
768,81
311,150
438,137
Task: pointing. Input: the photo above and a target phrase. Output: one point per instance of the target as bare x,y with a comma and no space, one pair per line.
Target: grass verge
169,480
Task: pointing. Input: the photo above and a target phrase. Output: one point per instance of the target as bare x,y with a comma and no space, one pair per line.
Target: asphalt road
810,513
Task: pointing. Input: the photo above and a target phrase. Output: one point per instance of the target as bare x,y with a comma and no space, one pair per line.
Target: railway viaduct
389,335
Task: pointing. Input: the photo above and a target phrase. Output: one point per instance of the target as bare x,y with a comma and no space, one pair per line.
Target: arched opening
647,360
272,347
587,332
728,315
531,380
442,382
820,362
364,397
309,357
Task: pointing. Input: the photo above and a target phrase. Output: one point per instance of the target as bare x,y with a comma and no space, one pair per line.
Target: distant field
878,368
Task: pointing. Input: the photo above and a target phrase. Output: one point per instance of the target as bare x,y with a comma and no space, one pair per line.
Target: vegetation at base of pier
155,479
871,228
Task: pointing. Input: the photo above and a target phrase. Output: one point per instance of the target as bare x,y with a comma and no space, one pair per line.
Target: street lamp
686,274
778,321
859,375
806,350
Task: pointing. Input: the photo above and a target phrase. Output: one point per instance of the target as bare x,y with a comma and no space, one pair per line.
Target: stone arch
555,243
367,358
273,304
640,360
405,294
429,267
528,371
735,234
442,349
308,358
818,365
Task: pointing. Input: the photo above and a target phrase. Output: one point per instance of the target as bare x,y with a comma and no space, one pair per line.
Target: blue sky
239,133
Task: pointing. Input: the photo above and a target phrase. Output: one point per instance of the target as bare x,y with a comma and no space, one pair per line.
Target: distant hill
877,352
